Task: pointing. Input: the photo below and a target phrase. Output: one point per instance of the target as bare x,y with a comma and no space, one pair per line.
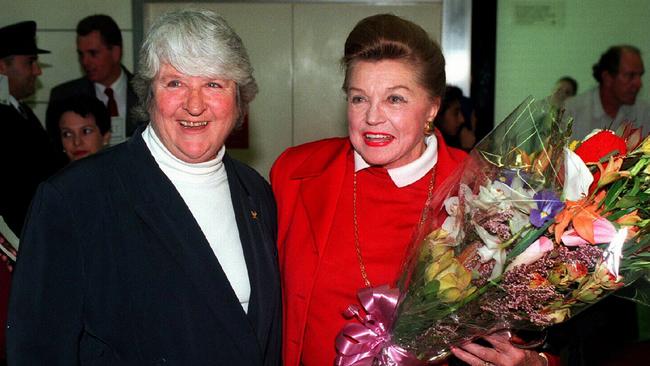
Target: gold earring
429,127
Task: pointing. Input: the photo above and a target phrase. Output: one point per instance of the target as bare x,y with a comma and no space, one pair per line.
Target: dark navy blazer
114,270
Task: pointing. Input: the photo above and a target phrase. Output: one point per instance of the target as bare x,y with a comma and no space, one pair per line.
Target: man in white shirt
614,100
99,47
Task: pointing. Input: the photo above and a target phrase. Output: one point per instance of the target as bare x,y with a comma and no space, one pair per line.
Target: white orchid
454,220
518,221
493,195
491,250
521,196
577,177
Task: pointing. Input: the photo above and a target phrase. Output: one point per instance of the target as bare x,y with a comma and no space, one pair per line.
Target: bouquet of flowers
528,233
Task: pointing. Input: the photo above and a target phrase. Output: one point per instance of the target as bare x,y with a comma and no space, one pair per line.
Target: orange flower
610,172
582,215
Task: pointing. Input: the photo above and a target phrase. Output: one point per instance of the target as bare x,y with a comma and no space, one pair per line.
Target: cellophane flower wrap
529,232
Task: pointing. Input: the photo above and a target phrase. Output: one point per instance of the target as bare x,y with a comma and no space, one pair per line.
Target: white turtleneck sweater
204,188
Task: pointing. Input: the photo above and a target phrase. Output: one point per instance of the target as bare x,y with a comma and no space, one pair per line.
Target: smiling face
192,115
80,136
100,62
387,112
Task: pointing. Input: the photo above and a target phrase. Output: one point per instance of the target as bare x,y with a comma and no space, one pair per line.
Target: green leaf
627,202
431,289
618,214
613,193
635,189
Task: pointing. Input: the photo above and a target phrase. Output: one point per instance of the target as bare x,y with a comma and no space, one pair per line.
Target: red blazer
307,181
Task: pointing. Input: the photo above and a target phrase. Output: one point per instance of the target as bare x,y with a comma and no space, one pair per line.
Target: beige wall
531,54
294,49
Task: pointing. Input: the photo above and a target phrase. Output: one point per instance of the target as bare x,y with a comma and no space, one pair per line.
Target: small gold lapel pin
254,214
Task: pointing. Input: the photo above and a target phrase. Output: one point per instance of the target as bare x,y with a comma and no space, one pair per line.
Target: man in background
614,100
99,47
26,155
26,152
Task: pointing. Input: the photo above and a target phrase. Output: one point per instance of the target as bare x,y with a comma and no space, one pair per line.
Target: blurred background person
82,128
160,250
614,100
99,47
564,88
456,119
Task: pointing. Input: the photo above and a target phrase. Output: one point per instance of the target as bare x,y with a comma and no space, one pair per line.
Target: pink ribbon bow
361,344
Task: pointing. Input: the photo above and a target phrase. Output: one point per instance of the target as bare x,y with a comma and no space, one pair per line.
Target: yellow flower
440,263
452,277
645,146
435,244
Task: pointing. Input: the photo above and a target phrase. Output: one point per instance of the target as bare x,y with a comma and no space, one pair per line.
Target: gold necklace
357,246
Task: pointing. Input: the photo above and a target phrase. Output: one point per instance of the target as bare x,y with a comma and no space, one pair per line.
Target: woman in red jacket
347,206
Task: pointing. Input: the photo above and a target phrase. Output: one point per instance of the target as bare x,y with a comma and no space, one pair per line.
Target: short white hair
196,43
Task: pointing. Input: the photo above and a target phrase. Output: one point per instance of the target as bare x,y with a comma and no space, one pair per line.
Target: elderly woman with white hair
160,250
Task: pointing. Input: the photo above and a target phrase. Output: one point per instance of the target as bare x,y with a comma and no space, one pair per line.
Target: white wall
531,57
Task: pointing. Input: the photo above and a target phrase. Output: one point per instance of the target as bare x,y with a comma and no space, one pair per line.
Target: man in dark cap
99,47
27,155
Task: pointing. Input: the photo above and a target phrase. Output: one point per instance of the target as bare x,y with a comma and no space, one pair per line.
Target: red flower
600,145
597,147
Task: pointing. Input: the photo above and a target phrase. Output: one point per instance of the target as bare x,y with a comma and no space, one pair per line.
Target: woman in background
348,206
83,126
456,119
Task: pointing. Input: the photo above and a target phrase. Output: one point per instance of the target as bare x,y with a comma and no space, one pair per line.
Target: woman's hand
502,353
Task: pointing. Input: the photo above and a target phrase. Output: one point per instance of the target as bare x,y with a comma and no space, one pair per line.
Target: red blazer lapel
322,178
